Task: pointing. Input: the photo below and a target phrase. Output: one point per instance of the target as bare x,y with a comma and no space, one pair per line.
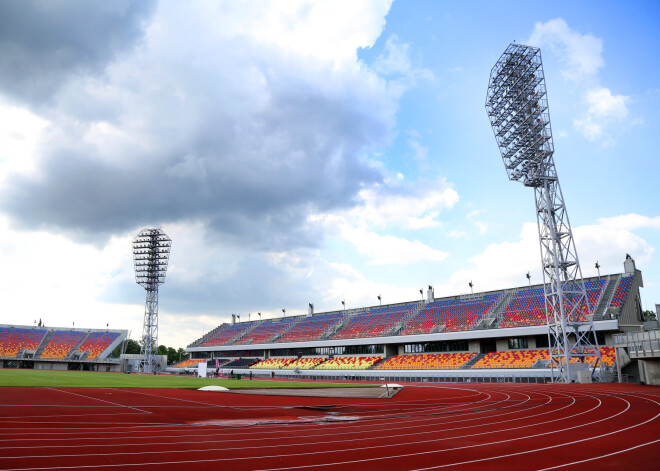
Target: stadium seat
426,361
96,343
311,328
374,323
349,363
455,314
273,363
15,339
61,343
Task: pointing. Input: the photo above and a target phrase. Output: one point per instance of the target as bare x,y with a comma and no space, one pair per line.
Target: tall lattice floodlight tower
517,107
151,252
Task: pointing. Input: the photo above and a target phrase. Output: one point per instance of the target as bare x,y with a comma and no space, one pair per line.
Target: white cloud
20,135
388,249
504,265
603,109
415,208
580,53
395,64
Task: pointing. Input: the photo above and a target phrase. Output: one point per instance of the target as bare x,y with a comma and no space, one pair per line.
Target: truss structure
151,252
517,107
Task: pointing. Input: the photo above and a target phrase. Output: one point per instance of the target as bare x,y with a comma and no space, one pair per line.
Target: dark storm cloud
42,43
249,139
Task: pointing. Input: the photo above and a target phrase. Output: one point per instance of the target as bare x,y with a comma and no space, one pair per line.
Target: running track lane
469,426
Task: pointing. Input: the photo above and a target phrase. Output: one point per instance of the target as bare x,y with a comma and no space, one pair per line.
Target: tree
649,316
132,348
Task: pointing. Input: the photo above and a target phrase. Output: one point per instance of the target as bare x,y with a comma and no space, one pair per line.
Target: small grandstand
59,348
500,333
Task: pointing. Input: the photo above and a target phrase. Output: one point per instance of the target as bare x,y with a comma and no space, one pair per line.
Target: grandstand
500,332
58,348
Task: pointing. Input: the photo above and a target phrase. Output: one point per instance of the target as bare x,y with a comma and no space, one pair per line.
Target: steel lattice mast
151,252
517,107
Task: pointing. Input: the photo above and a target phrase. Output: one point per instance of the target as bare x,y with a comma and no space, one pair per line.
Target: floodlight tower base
148,363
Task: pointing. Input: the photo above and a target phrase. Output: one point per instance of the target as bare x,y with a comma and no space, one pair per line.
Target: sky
307,152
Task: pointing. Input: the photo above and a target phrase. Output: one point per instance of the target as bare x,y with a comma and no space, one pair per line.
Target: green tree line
133,348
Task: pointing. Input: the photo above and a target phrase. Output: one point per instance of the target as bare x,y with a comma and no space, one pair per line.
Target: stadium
557,375
492,336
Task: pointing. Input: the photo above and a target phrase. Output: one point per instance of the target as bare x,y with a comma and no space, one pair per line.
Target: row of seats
423,361
320,363
349,363
12,340
61,343
226,333
526,308
528,358
189,363
265,331
96,343
622,290
427,361
374,323
455,314
311,328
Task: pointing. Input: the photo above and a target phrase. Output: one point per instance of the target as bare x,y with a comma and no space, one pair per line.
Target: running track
425,426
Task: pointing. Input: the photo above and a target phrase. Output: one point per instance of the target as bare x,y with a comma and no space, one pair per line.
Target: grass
92,379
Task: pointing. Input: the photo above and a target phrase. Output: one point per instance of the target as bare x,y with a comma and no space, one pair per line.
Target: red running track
464,427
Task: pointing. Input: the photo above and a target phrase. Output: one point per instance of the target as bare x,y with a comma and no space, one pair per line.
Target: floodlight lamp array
517,107
151,252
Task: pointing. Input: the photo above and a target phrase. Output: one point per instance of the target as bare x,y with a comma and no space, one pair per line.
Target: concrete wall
649,370
48,365
502,344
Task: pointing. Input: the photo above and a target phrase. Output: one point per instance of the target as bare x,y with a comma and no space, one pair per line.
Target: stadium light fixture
284,311
529,279
598,268
517,107
151,253
471,285
380,302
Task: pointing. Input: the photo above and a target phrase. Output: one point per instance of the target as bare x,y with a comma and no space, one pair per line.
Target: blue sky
306,152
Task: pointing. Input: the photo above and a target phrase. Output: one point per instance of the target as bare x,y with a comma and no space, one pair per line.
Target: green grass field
91,379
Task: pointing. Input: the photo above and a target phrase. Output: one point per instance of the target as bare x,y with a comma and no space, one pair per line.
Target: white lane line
280,437
100,400
307,443
600,457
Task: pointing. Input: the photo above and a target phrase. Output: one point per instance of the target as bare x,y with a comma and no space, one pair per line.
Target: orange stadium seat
97,343
14,339
61,344
426,361
273,363
349,363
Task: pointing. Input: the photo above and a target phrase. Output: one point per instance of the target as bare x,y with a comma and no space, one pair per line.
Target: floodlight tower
151,252
517,107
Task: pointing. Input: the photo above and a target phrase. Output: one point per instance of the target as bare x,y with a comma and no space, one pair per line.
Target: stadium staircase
44,343
606,298
400,327
286,329
472,361
494,316
244,333
341,324
438,328
382,360
75,348
332,330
